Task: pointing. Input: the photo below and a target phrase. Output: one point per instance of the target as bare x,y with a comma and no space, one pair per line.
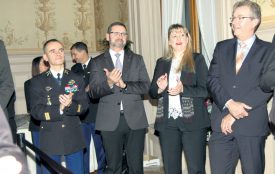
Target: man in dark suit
7,93
268,77
268,82
119,78
58,99
12,159
79,52
239,115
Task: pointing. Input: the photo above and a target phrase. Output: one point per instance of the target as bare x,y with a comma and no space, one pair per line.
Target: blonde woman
179,84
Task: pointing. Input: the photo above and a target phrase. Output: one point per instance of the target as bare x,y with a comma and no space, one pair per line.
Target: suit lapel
251,57
232,53
126,64
108,63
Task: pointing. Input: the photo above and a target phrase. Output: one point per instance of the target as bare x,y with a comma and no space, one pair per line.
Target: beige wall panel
35,21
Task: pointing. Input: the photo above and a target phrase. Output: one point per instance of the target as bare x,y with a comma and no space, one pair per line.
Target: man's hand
121,84
227,122
87,89
9,164
113,77
65,100
238,109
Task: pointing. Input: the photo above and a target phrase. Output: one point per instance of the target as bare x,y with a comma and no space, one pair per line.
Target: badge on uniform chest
71,87
48,88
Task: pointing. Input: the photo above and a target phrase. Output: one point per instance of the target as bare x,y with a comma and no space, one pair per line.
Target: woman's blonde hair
187,61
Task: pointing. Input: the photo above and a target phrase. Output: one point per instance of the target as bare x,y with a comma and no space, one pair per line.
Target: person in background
268,76
79,53
12,159
58,99
38,66
239,117
179,84
7,92
120,79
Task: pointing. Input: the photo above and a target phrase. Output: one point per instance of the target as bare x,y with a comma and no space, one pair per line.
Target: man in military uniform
79,52
58,98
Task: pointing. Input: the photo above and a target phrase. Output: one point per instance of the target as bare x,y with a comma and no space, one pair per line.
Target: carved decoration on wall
8,35
83,18
45,20
123,11
272,2
99,22
66,41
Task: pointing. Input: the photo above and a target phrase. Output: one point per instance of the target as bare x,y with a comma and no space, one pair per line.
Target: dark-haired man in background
80,55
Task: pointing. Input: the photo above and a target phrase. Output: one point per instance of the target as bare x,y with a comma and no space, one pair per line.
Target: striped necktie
240,56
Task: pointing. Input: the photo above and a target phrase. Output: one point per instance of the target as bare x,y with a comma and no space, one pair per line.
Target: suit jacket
224,84
7,147
90,116
194,87
135,76
60,134
6,81
268,77
34,124
268,80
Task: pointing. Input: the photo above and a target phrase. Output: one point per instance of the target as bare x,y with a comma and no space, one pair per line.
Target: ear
256,22
107,36
45,57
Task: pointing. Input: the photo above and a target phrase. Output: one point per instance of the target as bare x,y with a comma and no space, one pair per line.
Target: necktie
118,63
240,56
84,67
58,79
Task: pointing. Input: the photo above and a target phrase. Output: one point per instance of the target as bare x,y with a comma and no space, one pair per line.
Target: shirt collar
87,62
54,73
249,42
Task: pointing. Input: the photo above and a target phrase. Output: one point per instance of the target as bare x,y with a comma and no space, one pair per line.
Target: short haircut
109,30
49,41
80,46
254,8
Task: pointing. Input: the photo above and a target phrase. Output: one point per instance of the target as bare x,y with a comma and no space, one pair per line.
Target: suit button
120,90
118,103
234,86
63,125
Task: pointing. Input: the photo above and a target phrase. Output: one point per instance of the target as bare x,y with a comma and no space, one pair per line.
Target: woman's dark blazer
34,124
194,87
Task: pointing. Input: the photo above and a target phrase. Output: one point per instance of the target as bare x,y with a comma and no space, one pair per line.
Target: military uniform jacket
90,116
60,134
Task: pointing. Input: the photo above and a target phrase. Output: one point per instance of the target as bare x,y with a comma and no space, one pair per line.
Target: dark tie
58,79
84,67
118,63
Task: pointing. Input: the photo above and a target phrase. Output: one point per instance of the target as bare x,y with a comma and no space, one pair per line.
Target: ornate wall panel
35,21
26,24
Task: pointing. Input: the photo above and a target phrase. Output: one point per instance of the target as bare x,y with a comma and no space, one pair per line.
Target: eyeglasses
241,18
119,33
53,51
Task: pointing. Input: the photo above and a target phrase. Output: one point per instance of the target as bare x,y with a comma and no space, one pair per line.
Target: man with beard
119,78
